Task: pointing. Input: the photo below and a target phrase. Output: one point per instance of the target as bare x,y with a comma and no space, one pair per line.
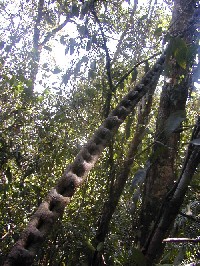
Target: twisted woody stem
52,207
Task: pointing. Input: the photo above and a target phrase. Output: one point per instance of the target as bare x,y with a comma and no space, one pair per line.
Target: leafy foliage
46,117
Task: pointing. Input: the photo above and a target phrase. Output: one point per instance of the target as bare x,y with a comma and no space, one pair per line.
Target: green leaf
138,257
84,59
45,65
62,40
177,49
91,74
121,85
100,246
138,177
134,75
85,8
89,245
71,46
181,58
195,142
180,256
144,17
93,65
83,30
47,48
88,46
174,121
2,43
94,39
180,51
57,70
75,10
158,32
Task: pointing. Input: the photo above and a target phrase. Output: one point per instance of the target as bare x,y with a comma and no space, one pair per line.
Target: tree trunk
161,175
36,49
174,200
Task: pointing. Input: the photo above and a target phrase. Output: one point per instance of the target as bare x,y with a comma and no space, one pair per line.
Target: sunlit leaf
179,50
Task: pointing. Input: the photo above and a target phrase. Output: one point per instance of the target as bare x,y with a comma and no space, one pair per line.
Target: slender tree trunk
161,176
174,200
36,48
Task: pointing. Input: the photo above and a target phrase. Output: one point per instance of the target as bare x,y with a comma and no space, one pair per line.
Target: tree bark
174,200
161,175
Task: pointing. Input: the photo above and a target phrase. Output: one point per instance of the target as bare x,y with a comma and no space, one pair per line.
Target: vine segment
52,208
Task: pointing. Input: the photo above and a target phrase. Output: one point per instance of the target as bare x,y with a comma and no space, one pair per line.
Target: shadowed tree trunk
174,200
161,175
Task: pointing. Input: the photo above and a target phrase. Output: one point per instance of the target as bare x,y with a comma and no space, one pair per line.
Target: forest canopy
100,132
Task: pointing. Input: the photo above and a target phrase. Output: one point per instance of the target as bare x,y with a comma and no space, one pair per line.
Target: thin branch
36,35
173,202
182,240
36,50
132,69
54,31
125,31
108,65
